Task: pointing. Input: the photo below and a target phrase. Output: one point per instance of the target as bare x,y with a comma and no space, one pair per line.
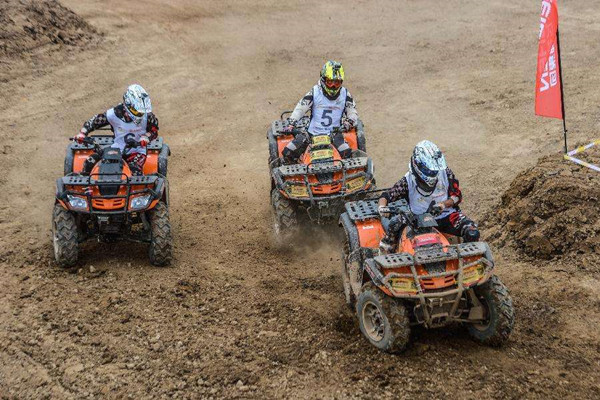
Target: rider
428,186
328,102
130,121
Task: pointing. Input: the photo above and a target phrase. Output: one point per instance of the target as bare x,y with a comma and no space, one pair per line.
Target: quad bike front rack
317,168
427,299
73,179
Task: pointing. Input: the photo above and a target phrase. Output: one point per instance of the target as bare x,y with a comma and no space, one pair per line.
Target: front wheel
382,319
161,241
285,221
64,237
499,313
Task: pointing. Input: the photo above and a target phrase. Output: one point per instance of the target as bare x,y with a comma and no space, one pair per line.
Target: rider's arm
397,192
350,109
96,122
454,193
302,107
152,126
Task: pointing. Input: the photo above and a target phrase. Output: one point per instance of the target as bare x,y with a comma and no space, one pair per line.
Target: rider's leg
136,163
295,148
458,224
341,145
392,226
89,163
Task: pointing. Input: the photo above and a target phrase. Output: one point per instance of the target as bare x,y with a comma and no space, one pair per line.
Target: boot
387,245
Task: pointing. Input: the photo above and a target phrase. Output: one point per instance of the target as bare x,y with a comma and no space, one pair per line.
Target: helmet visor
134,112
427,174
333,83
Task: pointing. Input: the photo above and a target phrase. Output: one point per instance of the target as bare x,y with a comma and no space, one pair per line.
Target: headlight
137,203
472,274
77,202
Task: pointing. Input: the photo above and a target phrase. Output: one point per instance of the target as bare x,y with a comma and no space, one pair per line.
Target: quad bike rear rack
317,168
73,179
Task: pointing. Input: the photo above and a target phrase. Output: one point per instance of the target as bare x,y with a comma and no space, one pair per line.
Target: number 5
327,117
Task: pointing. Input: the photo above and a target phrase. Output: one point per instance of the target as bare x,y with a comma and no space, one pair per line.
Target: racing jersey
447,187
115,118
326,114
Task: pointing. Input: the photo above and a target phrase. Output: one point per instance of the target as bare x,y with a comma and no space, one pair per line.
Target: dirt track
232,317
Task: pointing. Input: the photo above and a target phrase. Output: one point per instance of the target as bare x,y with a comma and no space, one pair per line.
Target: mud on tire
500,312
285,221
161,241
351,258
382,319
64,237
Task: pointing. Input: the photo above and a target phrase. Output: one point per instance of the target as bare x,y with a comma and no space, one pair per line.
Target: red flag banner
548,98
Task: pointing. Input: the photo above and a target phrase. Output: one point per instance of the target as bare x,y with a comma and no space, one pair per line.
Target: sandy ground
233,317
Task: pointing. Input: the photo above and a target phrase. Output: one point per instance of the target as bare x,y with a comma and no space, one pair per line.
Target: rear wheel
64,237
285,221
161,241
382,319
498,312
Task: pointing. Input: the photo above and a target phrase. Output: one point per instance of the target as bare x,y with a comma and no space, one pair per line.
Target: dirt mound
33,28
550,209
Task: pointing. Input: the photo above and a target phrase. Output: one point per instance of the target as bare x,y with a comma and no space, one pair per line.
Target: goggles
333,83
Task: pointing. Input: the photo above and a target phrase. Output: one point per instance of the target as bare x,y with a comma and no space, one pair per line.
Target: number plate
403,284
356,183
321,154
298,191
321,140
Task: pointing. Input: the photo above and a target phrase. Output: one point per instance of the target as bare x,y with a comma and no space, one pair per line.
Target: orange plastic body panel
324,189
109,204
370,233
408,245
282,141
351,139
151,165
349,136
79,158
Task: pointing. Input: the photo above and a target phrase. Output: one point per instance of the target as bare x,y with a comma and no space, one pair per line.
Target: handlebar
90,140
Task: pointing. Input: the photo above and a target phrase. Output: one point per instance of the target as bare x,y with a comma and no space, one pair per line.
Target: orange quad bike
112,204
432,280
319,184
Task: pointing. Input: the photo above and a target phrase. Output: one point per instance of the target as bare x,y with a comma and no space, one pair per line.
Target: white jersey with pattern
419,203
326,113
121,129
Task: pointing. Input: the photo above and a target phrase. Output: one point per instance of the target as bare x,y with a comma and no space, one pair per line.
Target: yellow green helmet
332,76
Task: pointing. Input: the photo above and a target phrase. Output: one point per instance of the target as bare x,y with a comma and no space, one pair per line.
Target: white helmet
137,103
425,164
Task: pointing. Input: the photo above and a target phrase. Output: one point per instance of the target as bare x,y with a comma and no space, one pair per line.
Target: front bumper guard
279,173
427,300
110,180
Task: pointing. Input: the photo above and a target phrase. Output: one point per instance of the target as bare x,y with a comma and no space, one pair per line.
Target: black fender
60,189
163,159
273,148
69,159
361,140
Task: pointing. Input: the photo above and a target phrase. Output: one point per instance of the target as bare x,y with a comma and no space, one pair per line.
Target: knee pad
470,234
